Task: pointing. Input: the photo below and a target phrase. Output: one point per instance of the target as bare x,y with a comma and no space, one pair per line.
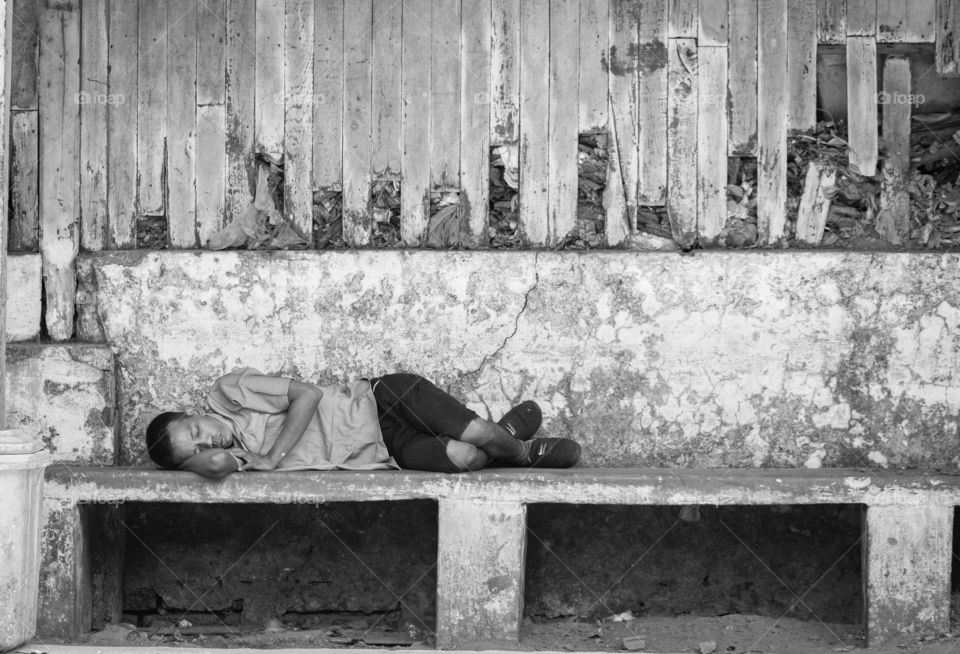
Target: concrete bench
482,529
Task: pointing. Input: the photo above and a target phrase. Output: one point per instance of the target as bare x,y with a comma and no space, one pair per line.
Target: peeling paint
723,359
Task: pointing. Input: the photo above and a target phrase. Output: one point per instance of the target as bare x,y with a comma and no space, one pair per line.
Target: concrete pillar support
907,570
65,585
480,564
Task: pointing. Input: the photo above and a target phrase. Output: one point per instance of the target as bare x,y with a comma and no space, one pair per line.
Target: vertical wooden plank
357,120
891,21
907,558
652,103
328,94
772,122
298,117
682,141
893,222
24,174
475,119
862,17
832,21
921,22
624,139
593,78
386,89
712,150
152,106
445,95
802,64
862,103
239,91
6,10
713,23
211,170
59,162
269,76
211,51
122,125
534,120
684,22
948,37
505,72
211,156
181,101
814,204
563,123
478,542
742,78
25,50
415,121
93,119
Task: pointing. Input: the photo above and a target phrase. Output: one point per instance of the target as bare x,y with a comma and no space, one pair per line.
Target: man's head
173,437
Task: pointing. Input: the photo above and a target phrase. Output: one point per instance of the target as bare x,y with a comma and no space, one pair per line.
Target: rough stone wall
65,395
718,359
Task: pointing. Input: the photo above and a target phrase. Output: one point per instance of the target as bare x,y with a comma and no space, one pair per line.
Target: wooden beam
815,203
385,161
475,120
445,95
357,119
892,21
563,123
948,37
59,163
25,53
269,76
832,21
682,144
6,11
741,80
415,122
298,94
122,126
684,22
151,105
861,17
534,121
712,23
505,72
802,64
772,123
93,121
239,84
593,54
712,150
624,134
24,167
921,22
862,102
181,103
893,222
651,101
328,95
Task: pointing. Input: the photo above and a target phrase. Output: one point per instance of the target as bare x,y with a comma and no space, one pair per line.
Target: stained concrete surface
721,359
65,395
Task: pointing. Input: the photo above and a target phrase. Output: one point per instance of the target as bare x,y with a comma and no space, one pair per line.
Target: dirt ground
707,635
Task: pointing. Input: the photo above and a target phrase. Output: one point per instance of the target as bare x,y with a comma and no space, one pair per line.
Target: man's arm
303,399
213,464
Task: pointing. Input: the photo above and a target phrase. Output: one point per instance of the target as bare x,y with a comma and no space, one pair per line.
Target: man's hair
159,446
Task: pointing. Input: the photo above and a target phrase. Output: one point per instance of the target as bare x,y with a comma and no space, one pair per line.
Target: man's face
195,433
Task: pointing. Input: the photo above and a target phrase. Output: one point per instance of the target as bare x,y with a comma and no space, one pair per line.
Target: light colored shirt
343,433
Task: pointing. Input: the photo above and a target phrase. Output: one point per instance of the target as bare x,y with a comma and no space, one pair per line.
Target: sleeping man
265,422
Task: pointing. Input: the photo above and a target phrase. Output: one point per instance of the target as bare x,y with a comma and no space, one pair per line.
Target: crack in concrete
516,322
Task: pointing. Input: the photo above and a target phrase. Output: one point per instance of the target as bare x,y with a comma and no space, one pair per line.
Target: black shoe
553,453
523,420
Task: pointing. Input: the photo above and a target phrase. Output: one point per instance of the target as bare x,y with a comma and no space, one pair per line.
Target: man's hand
251,461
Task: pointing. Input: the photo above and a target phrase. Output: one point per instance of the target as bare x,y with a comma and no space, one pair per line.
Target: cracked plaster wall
718,359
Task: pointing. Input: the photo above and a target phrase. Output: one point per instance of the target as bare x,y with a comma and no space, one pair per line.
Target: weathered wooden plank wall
177,102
